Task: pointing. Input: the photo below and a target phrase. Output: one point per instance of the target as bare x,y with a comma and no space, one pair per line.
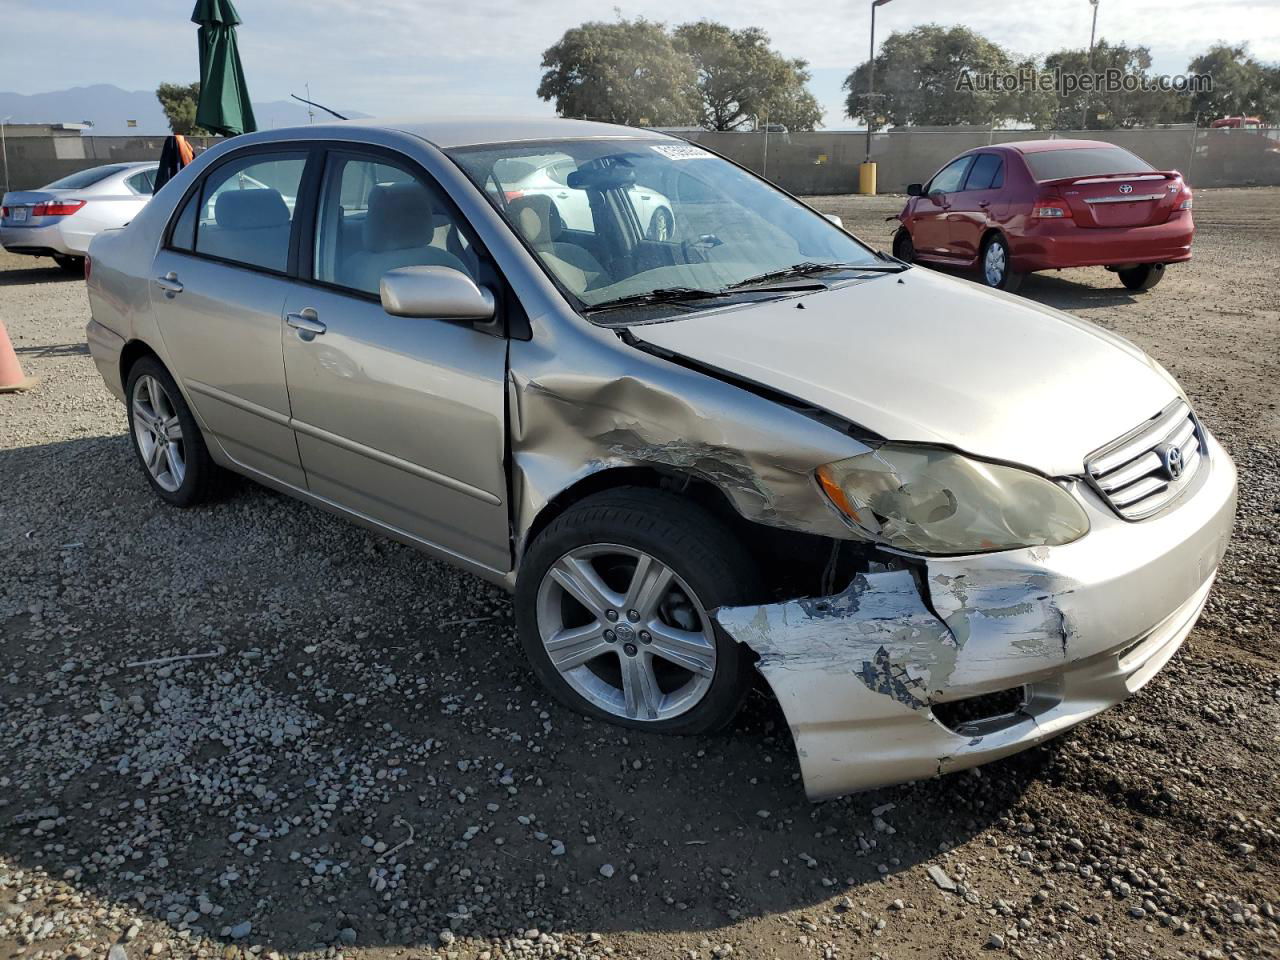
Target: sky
406,57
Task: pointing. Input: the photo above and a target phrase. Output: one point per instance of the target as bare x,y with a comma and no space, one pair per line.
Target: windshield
1083,162
85,178
614,219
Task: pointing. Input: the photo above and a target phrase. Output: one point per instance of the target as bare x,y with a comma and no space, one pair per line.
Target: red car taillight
1050,208
57,208
4,211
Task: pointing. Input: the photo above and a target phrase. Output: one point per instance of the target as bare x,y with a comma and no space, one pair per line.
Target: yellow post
867,178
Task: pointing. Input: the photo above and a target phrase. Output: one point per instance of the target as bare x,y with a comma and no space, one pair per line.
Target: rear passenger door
218,289
398,419
977,206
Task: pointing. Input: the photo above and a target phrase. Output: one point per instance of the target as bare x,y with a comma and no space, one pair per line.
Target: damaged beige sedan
944,524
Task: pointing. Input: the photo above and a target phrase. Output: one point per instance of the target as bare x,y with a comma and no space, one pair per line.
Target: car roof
1040,146
448,132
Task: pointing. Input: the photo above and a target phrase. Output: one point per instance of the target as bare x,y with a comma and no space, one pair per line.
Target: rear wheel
997,269
73,265
903,246
613,609
166,438
1142,277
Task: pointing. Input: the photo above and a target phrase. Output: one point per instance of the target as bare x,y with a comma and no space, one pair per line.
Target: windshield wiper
661,295
807,269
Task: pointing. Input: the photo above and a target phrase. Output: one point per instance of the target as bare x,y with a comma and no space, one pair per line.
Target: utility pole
4,149
1093,30
867,175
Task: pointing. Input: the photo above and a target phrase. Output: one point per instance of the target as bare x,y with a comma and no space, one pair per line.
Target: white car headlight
934,501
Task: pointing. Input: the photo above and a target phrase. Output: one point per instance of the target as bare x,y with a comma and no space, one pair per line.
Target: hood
922,357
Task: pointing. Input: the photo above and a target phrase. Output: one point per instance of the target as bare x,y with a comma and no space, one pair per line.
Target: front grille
1149,467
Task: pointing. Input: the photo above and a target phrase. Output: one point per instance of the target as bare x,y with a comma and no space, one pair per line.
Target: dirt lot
360,763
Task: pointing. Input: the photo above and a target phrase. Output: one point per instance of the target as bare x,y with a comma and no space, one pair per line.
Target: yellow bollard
867,179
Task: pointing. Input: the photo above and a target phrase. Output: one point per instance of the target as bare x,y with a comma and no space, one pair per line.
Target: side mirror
915,189
834,219
438,292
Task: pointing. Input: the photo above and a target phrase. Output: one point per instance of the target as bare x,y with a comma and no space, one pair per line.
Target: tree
1241,86
917,76
179,103
1109,109
624,72
739,79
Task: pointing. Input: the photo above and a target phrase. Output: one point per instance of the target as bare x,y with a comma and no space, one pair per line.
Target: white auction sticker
680,151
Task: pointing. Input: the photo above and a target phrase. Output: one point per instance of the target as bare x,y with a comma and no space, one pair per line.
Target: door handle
562,195
984,203
306,323
169,283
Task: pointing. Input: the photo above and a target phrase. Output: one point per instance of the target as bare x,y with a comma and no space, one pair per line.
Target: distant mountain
109,109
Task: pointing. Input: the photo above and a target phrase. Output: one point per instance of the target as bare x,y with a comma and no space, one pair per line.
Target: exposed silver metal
1124,199
158,433
994,264
1146,469
655,665
430,291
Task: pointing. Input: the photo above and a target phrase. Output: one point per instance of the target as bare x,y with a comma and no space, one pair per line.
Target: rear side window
1083,162
85,178
246,210
184,230
950,177
143,182
987,173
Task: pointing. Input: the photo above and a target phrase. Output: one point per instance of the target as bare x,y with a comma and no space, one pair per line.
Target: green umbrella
224,99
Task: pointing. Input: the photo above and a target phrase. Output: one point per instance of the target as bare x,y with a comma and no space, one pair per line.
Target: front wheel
903,246
72,265
661,224
1142,277
613,607
997,269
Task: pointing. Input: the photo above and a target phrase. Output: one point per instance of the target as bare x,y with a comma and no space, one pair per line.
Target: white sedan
60,219
550,178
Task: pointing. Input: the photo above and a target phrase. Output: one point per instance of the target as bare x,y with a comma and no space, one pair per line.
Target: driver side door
930,231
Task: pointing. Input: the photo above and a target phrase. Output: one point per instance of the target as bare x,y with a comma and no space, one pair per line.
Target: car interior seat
398,231
539,223
251,226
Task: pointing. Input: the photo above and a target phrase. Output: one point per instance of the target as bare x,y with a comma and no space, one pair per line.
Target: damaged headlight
934,501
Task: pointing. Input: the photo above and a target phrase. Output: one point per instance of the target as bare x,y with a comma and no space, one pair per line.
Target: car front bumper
1051,245
1065,631
42,241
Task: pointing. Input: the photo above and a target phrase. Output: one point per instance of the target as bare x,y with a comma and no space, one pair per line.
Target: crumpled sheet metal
647,411
856,672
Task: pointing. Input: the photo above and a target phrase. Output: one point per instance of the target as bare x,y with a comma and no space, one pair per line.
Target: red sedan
1045,205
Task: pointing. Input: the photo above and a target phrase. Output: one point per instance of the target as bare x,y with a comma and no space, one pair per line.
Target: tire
661,225
610,534
994,264
72,265
904,247
182,473
1142,277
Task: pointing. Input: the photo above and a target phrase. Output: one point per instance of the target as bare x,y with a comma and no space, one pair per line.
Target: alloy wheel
158,433
994,264
626,632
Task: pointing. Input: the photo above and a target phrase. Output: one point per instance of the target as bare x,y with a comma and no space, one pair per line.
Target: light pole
1093,30
4,149
871,74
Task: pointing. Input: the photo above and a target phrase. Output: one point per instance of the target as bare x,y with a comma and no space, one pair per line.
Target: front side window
246,210
376,216
949,178
613,219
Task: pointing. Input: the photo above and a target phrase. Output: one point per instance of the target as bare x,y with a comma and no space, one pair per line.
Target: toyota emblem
1171,459
1126,188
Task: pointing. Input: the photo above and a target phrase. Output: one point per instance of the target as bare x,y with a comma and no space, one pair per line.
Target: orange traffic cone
11,376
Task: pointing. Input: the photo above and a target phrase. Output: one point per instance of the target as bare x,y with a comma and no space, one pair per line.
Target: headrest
250,209
400,217
537,219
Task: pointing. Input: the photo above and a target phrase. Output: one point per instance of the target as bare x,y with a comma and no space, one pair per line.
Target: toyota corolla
942,523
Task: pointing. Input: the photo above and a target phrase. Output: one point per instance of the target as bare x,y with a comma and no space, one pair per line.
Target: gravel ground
356,761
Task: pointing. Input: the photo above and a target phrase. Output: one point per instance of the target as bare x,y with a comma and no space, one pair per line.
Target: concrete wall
803,163
822,163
